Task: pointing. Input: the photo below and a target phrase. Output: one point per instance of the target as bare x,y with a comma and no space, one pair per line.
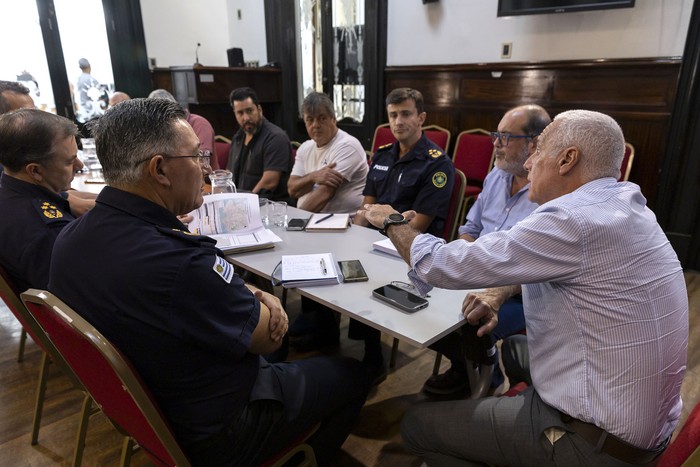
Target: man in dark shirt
177,309
261,154
39,153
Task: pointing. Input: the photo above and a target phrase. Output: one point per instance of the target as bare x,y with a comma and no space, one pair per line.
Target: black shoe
447,383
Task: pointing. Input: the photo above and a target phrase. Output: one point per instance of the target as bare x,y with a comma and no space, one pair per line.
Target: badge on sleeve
439,179
224,269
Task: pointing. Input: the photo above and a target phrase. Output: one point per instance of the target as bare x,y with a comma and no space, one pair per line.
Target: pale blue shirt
605,304
495,209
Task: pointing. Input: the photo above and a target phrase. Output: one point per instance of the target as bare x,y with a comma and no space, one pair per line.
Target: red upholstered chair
473,155
9,295
222,146
684,451
382,137
108,377
627,161
295,146
438,135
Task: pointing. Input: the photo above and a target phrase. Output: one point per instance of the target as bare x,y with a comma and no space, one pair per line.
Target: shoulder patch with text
439,179
224,269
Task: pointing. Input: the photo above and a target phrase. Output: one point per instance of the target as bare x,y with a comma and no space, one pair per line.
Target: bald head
13,96
118,97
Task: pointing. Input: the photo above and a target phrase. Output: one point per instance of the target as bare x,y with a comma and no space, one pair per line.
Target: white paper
318,221
386,246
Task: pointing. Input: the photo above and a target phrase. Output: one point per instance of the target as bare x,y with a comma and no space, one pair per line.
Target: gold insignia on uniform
435,153
183,231
219,268
51,211
439,179
385,146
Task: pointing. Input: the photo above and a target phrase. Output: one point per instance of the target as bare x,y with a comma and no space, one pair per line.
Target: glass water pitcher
222,182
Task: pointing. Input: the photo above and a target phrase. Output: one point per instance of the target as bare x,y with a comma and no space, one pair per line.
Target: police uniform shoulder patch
435,153
439,179
183,234
223,268
51,213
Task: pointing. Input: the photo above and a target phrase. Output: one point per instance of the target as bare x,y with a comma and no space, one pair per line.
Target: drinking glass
279,213
264,211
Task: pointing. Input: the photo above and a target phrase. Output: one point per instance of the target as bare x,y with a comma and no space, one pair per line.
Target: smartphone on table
400,298
352,271
297,224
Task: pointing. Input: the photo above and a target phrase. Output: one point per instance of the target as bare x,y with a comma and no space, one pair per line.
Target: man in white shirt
330,169
606,309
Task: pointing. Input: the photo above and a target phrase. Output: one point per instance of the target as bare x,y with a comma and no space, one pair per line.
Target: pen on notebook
324,218
323,267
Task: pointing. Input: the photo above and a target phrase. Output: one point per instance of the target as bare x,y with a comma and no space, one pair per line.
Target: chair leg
127,450
436,365
22,341
82,430
40,393
394,353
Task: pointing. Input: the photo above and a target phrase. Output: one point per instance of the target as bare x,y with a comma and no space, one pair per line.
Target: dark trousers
289,398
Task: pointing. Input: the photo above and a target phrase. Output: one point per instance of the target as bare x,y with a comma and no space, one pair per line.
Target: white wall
468,31
174,27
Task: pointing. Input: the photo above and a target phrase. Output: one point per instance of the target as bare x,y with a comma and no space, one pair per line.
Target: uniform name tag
224,269
383,168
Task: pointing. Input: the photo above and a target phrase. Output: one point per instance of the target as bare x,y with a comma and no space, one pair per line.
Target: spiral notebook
306,270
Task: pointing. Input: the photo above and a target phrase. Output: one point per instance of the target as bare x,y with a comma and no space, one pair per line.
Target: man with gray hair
176,308
606,310
330,169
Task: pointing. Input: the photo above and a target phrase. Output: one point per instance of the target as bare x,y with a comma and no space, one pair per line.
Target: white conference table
422,328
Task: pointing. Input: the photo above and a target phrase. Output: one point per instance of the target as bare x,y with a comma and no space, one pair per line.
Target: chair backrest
222,146
473,154
454,210
382,136
627,160
438,135
107,375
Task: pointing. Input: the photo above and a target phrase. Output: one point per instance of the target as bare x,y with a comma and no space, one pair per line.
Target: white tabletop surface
422,328
85,182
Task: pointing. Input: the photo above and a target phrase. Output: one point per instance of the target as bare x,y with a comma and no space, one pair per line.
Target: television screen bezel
557,6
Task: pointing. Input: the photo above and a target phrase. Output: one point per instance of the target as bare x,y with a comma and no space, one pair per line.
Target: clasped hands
328,176
279,321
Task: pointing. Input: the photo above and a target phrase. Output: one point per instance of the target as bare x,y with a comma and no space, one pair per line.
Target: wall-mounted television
539,7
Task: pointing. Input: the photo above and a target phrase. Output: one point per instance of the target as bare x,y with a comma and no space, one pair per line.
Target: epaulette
385,147
183,234
435,153
50,213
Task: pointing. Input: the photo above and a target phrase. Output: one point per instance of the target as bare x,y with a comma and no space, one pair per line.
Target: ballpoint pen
323,267
324,218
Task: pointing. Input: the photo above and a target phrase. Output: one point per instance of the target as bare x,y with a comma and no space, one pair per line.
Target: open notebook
324,222
307,270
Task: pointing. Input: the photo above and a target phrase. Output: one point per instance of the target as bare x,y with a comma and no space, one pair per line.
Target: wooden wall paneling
638,93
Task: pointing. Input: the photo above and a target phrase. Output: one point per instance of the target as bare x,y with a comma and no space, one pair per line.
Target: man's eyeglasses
203,157
505,138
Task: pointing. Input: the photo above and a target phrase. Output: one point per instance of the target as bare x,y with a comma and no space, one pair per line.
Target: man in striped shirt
605,305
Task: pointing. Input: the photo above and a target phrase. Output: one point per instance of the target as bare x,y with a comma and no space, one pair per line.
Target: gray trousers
507,431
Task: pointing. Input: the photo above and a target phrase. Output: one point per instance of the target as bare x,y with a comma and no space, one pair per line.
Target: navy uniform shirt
421,180
32,218
269,149
169,301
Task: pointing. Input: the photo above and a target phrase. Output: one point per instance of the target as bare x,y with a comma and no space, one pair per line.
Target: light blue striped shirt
495,209
605,304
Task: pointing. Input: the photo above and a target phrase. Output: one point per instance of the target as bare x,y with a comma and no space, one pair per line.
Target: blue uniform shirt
169,301
421,180
32,219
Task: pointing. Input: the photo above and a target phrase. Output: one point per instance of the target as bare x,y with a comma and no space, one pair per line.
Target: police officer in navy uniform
39,152
179,311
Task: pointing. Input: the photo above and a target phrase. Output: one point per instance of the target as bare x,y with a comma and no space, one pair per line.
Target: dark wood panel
638,93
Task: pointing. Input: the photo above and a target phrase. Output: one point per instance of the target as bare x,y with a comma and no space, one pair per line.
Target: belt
609,444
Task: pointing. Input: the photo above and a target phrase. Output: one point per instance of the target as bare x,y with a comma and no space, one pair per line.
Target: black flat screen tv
539,7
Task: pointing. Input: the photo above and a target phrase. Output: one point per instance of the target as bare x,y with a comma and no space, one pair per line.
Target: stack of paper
323,222
233,220
385,246
308,270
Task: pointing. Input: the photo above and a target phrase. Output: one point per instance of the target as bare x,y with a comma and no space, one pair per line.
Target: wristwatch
393,219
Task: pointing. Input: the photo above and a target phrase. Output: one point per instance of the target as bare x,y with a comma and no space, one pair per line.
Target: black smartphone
352,271
400,298
297,224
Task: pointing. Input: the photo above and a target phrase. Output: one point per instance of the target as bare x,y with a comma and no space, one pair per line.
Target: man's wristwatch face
393,219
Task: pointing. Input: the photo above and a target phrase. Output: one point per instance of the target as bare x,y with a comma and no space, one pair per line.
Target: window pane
348,69
84,36
23,54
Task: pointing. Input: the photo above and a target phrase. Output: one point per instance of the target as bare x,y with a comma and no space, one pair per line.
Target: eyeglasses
203,157
505,138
